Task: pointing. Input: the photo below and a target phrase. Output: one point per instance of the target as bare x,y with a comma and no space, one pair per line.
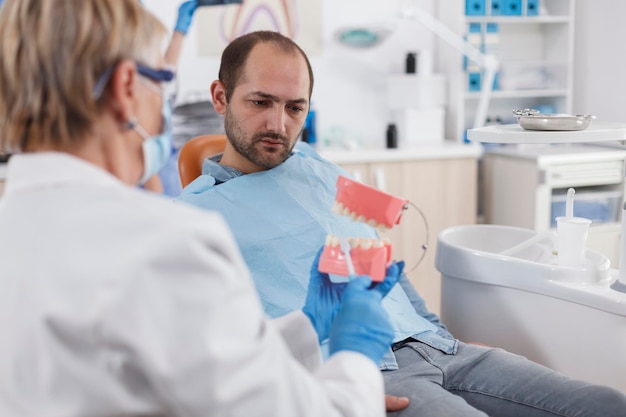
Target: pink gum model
368,205
372,206
372,261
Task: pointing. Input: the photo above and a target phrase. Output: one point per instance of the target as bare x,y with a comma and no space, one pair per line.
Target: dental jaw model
351,256
356,257
368,205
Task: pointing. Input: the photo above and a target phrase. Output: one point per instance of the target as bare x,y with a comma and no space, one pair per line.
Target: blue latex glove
393,275
362,325
185,16
323,298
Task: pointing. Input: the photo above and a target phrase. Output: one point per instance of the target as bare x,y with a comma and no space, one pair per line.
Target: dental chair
194,152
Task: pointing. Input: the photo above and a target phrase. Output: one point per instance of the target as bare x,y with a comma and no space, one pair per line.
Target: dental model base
363,256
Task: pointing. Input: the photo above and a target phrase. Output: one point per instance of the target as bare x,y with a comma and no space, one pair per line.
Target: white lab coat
114,301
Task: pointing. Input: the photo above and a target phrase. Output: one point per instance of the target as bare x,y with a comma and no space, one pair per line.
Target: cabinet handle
381,180
599,173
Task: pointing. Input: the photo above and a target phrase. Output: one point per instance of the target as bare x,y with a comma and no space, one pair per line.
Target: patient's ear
218,95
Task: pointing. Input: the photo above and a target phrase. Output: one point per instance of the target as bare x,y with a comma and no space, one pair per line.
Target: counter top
560,153
444,150
514,133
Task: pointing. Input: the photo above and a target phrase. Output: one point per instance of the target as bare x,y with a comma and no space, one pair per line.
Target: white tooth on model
386,241
337,208
361,219
329,239
382,228
372,223
354,242
353,216
345,211
366,243
335,241
378,244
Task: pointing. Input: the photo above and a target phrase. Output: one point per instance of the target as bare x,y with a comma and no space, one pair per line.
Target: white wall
600,59
349,93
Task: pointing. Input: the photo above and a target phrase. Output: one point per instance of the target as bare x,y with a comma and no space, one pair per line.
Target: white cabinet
525,186
445,190
535,55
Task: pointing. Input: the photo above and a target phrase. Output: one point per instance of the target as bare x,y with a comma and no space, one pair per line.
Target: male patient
276,196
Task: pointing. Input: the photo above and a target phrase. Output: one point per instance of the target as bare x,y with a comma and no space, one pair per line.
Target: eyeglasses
165,78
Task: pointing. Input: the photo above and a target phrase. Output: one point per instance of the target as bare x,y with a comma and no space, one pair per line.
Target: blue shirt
280,218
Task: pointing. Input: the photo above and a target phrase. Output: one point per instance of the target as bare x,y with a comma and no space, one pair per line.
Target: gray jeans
480,381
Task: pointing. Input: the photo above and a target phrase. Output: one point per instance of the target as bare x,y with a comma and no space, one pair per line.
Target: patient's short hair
236,54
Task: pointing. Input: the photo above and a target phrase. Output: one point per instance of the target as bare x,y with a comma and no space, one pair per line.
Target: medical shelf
511,94
508,20
535,53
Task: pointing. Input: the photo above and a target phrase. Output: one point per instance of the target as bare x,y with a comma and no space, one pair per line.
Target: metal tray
531,119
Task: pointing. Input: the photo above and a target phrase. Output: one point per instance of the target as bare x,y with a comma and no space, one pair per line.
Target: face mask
156,149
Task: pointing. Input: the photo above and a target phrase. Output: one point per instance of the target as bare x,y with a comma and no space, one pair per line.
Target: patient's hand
477,344
393,403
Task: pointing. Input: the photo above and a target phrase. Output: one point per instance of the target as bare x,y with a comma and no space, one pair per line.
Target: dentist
113,301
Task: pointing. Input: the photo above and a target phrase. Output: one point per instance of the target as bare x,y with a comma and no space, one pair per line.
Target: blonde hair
52,54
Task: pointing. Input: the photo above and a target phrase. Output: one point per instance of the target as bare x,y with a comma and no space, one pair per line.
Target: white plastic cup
622,258
572,236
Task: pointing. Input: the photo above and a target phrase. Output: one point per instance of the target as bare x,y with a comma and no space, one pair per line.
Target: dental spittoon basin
503,286
368,205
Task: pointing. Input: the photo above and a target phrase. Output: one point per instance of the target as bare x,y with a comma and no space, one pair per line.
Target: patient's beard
253,149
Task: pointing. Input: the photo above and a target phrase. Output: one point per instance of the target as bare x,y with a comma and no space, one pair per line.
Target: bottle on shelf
411,63
309,133
392,136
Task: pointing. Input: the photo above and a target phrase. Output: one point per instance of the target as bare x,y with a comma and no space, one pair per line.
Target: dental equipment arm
487,61
367,36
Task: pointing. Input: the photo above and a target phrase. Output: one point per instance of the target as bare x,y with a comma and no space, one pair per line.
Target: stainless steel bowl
531,119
